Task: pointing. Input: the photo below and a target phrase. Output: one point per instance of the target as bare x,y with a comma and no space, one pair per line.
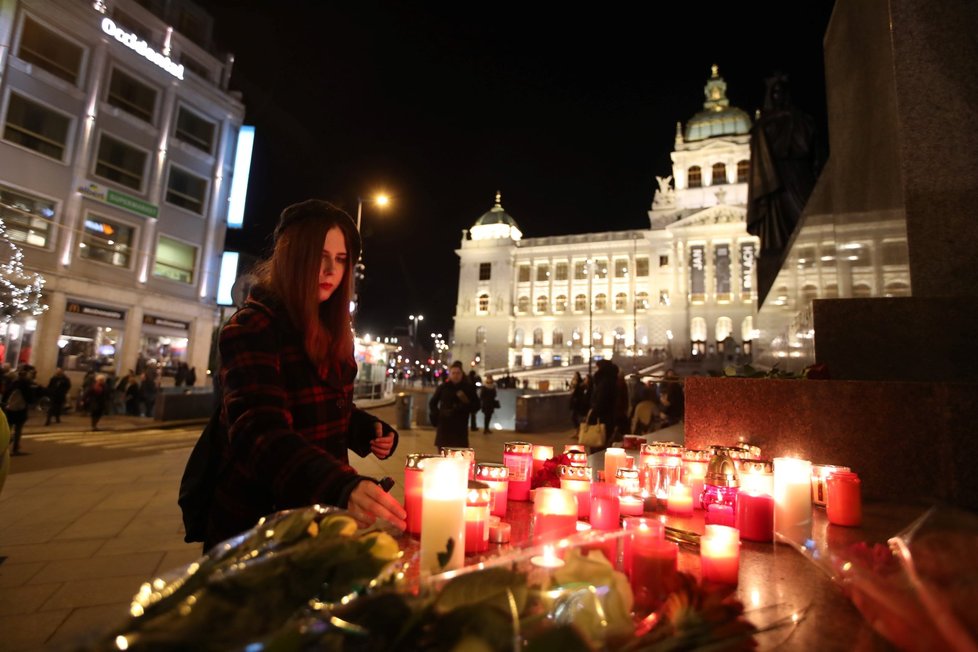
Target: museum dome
717,118
496,223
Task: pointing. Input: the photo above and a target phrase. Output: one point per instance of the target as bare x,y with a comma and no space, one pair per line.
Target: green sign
131,203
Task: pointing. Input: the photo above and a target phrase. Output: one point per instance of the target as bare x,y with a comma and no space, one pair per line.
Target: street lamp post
380,200
590,314
414,331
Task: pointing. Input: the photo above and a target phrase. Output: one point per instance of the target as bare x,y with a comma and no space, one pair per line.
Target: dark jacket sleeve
263,444
362,432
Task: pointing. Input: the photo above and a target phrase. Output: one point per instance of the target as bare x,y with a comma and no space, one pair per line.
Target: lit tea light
497,477
554,514
548,559
820,472
679,501
413,466
477,517
465,453
518,458
540,455
577,480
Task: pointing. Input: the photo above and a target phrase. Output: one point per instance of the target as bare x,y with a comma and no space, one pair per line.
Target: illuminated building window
694,177
560,272
523,304
664,260
743,171
641,266
542,303
120,162
543,273
642,300
580,270
560,303
485,271
621,268
480,335
724,328
600,302
26,218
601,269
523,274
580,303
186,190
48,50
132,96
664,297
483,303
621,299
195,130
537,336
558,337
36,127
719,174
106,242
175,260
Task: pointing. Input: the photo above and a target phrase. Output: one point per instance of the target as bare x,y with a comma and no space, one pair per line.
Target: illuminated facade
683,287
117,141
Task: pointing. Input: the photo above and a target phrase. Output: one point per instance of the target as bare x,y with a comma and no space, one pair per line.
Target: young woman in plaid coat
287,375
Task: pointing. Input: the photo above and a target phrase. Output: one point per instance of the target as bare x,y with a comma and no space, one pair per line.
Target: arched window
743,171
619,338
483,303
518,338
862,291
697,329
724,328
480,335
560,304
537,336
747,329
694,177
620,300
558,337
808,294
597,338
642,300
600,301
896,289
580,303
831,291
719,174
541,303
523,304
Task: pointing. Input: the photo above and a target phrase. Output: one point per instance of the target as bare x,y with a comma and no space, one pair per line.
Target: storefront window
164,350
106,242
27,218
84,348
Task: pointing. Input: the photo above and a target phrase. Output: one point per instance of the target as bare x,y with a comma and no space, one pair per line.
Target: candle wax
720,554
755,516
717,514
553,527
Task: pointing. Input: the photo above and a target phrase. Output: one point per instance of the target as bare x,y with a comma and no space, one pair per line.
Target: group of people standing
625,405
456,402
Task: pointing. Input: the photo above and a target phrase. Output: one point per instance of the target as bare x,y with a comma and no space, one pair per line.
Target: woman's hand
368,502
380,445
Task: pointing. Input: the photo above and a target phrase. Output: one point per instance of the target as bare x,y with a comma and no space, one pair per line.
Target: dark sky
570,114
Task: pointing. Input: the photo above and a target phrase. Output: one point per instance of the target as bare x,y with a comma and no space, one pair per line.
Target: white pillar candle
445,481
613,458
793,499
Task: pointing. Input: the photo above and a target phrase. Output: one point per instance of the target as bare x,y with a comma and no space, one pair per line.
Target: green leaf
489,587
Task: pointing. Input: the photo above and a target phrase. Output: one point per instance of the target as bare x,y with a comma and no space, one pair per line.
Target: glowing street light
380,200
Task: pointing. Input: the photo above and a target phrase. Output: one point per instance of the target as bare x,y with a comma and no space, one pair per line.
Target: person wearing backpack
17,398
287,373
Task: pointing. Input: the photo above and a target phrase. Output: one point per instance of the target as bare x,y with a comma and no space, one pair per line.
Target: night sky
570,114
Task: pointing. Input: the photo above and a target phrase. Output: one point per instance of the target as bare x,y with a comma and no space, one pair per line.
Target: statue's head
777,95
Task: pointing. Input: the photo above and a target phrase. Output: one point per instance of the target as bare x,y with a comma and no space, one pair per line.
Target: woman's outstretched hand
368,502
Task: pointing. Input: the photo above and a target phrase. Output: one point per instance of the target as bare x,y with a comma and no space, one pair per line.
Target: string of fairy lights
21,292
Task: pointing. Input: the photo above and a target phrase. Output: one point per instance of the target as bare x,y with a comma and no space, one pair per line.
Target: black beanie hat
318,208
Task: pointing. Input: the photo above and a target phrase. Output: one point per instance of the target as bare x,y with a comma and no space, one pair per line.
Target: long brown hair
291,273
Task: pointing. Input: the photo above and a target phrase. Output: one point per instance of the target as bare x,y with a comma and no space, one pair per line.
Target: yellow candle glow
680,500
793,498
720,554
445,487
613,458
548,559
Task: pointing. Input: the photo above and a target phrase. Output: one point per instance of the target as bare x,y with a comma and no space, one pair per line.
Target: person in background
673,399
147,391
475,381
133,395
604,390
57,391
180,376
450,407
488,401
191,377
97,399
18,396
287,375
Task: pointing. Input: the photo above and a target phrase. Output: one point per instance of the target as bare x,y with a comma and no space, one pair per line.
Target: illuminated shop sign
141,47
169,323
78,308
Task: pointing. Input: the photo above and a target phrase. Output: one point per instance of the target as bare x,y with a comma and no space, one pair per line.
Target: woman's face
333,264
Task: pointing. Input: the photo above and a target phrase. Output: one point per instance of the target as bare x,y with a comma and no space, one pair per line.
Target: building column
130,339
46,337
155,196
199,346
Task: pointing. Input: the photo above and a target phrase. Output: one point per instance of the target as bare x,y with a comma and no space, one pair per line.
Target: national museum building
683,287
116,150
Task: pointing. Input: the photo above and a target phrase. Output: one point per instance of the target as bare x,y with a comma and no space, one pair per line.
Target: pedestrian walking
133,395
475,381
489,402
17,398
57,391
450,408
147,390
97,399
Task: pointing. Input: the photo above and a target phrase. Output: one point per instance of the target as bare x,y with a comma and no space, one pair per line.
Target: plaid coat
289,427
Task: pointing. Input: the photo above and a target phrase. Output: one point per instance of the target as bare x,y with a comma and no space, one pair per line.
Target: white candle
613,458
793,498
548,559
720,554
631,505
443,496
679,501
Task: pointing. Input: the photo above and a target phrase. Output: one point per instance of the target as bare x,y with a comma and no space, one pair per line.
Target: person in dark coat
287,374
17,399
57,392
488,402
450,406
191,377
180,376
133,395
97,399
475,381
604,391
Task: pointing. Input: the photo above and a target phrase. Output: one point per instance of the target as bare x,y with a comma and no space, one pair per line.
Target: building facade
684,287
117,141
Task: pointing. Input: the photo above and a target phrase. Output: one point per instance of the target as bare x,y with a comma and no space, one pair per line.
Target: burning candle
517,456
627,481
843,503
631,505
576,458
548,560
499,532
755,516
497,477
577,480
413,466
793,498
554,514
719,497
650,562
605,509
679,501
695,463
467,454
443,513
756,476
613,458
820,472
540,455
720,554
477,517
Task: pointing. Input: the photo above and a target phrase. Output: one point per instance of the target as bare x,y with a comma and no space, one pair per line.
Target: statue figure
665,196
782,168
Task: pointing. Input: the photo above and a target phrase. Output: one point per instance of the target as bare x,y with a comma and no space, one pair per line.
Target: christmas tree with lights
20,291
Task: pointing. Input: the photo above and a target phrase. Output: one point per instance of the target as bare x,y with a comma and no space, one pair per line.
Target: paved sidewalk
77,542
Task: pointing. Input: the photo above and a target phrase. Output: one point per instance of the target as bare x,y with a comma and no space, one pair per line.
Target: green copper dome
717,118
496,215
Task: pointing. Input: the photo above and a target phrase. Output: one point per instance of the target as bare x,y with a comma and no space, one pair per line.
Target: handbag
199,481
591,434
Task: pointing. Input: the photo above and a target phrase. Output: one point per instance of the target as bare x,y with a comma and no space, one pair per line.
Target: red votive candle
518,458
720,554
577,480
497,477
541,454
650,562
755,516
413,466
554,514
477,517
605,510
844,504
680,500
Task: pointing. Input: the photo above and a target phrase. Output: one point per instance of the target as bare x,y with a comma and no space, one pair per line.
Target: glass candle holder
628,482
756,476
695,463
613,458
820,472
467,454
679,500
413,466
497,477
554,514
843,504
577,480
650,562
540,455
755,516
443,513
477,517
605,510
518,458
793,498
719,499
720,554
576,458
